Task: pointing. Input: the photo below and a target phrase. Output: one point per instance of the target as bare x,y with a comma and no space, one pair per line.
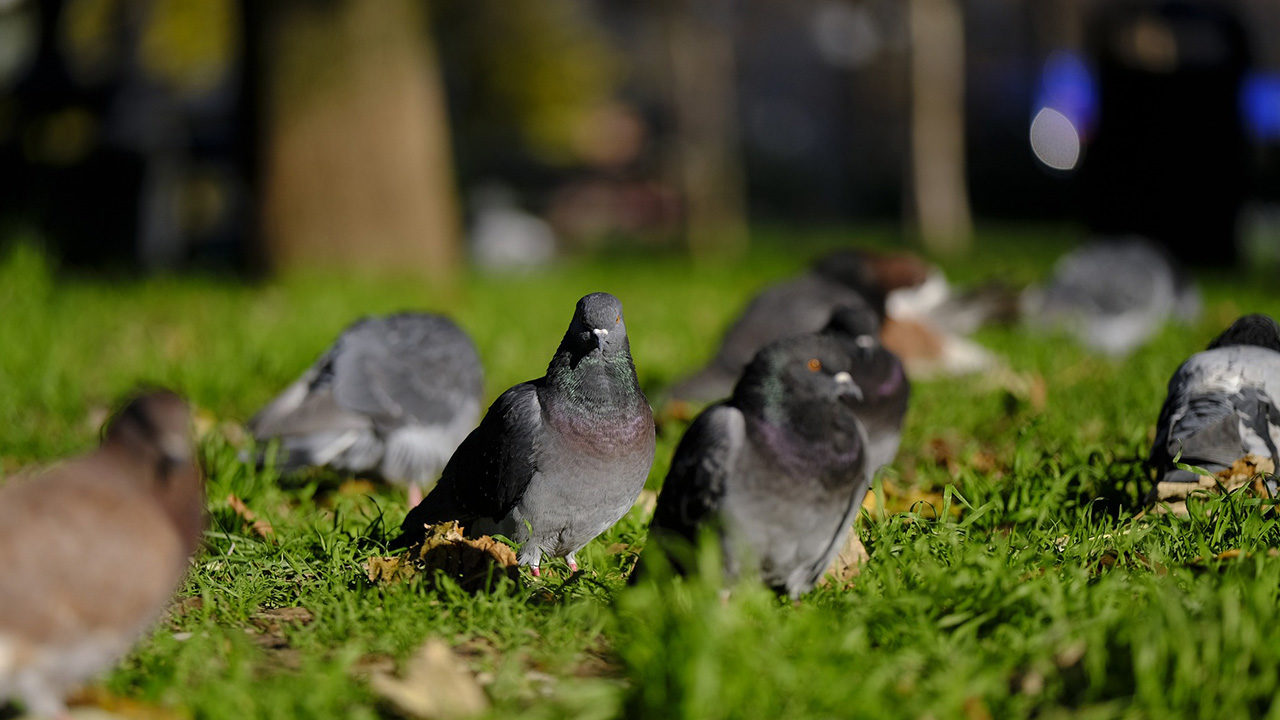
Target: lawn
1009,576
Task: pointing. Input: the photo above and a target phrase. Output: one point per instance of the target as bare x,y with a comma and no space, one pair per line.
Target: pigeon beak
846,386
601,334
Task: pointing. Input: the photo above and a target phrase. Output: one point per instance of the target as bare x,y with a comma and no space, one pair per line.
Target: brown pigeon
93,549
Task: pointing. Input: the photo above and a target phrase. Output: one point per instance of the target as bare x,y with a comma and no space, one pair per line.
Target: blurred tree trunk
939,188
700,79
357,170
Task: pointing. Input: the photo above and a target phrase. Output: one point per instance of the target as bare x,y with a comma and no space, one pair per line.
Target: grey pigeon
1113,295
802,305
558,460
93,550
1221,404
394,396
777,470
885,388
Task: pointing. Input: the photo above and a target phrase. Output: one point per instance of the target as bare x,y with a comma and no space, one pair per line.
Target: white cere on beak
600,333
844,378
864,341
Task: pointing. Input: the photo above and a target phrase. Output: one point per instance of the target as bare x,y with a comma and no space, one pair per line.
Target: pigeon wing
696,483
308,405
491,469
419,369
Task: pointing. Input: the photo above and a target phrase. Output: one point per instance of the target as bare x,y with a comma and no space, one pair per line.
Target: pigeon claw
573,566
537,571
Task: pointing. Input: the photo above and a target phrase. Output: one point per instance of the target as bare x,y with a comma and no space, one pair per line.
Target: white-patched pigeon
394,396
1222,403
1113,295
801,305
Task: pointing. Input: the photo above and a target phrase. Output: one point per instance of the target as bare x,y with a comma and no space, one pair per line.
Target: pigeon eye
814,364
618,319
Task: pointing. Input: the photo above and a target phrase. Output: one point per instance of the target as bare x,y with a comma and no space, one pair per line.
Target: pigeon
92,551
1113,295
558,460
1222,404
885,388
503,236
777,470
802,305
394,396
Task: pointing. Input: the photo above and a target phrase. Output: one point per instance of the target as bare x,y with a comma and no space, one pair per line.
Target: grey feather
1113,295
795,307
558,460
1220,407
776,471
394,396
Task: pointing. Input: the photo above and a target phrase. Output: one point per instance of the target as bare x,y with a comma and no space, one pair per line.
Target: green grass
1008,575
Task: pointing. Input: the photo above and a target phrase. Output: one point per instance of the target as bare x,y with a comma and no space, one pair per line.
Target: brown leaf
274,617
388,569
373,664
98,703
356,486
443,548
186,605
261,527
976,709
647,502
848,562
1249,470
680,411
434,683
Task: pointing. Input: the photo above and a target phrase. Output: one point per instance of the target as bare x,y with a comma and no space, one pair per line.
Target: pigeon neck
594,378
821,444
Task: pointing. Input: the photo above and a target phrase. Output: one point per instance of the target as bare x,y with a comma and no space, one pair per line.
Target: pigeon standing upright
92,551
1222,404
558,460
1113,294
852,278
776,470
394,396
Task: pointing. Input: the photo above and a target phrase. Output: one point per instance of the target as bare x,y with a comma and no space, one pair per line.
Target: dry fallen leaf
1249,470
97,703
271,620
356,486
434,683
388,569
647,502
261,527
470,562
848,562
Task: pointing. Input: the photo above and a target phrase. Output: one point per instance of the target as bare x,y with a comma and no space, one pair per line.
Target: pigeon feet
415,496
537,571
573,566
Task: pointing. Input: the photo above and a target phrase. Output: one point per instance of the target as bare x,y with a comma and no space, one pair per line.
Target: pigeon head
597,327
804,384
873,274
154,431
854,322
1256,329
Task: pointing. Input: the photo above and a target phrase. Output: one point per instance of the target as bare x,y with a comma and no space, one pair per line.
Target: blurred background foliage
262,136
